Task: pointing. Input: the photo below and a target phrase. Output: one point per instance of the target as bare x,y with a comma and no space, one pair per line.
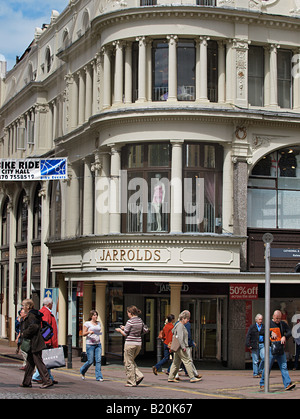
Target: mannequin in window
158,199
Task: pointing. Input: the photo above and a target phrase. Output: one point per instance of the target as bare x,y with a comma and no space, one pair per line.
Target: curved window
37,213
22,218
5,223
55,210
147,168
48,59
203,180
274,191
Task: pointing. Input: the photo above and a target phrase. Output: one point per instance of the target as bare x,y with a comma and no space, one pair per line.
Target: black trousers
35,360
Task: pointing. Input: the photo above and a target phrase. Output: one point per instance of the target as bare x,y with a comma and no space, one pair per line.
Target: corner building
180,123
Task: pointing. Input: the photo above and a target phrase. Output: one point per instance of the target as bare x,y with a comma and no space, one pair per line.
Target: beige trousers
181,356
132,372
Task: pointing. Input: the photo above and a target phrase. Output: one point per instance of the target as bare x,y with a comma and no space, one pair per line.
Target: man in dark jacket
31,329
279,332
255,342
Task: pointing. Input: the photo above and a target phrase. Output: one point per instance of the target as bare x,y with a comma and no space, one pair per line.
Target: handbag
175,345
54,357
26,345
277,348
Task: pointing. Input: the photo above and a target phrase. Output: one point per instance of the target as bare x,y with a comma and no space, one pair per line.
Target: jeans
297,356
256,354
164,359
282,363
93,352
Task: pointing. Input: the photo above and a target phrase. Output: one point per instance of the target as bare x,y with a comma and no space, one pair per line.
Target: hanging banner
33,169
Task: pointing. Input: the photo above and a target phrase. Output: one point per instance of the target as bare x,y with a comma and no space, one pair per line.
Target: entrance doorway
208,325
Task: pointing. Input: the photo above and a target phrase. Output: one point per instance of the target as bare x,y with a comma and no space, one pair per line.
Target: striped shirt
133,330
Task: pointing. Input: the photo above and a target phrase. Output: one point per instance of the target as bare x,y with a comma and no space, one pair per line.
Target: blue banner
33,169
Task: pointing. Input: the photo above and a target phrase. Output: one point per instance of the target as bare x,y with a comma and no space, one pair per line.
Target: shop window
274,191
147,169
203,188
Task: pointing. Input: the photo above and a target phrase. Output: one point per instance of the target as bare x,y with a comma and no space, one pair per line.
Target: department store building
180,125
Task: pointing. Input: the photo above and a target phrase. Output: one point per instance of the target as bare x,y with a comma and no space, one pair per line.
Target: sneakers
195,379
290,386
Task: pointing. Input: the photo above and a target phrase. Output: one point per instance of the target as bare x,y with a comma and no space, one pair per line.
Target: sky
18,20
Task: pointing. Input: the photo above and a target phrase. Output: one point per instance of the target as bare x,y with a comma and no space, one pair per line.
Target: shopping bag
54,358
175,345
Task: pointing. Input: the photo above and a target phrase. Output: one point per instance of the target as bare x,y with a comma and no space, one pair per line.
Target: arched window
48,59
37,213
5,223
55,210
22,218
274,190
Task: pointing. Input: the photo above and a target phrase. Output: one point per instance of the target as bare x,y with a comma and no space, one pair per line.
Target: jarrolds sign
129,255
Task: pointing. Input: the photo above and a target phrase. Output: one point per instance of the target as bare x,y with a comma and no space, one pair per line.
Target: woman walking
92,331
133,330
31,329
181,355
167,337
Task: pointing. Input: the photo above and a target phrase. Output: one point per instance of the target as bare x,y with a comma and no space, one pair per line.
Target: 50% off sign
243,291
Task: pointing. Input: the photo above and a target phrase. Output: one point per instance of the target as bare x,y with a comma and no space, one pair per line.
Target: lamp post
267,239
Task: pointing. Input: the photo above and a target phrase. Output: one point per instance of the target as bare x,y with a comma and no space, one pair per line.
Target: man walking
255,342
279,332
53,342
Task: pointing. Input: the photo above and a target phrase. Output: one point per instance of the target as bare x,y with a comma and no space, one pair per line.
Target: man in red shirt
53,342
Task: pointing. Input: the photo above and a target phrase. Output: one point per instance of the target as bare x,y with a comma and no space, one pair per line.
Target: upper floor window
5,223
274,190
22,218
206,2
148,168
55,209
186,64
256,74
48,59
37,213
284,78
203,188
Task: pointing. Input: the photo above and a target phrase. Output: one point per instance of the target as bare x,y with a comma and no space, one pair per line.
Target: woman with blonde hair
181,355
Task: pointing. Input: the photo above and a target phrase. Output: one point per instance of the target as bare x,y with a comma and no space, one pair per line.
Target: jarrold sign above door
132,255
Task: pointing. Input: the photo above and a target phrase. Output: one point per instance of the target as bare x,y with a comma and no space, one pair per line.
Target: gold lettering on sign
129,255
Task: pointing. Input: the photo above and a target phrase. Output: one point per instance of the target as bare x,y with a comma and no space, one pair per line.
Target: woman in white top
92,331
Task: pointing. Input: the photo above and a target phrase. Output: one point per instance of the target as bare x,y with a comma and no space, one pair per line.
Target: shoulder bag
26,345
175,345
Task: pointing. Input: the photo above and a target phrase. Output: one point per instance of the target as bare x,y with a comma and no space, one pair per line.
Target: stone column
176,187
142,69
88,201
106,76
87,307
172,84
203,68
88,92
118,92
100,308
81,98
273,76
128,73
115,168
175,298
63,310
227,208
221,72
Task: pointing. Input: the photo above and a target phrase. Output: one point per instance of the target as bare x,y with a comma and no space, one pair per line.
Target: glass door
207,324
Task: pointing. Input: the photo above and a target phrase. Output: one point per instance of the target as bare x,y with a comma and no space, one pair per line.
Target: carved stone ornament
241,133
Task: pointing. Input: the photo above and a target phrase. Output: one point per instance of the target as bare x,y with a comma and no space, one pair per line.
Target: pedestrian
297,341
31,329
132,331
167,339
18,322
279,332
255,342
181,355
92,331
189,350
53,341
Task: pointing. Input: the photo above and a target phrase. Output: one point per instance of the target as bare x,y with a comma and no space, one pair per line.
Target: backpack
46,330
